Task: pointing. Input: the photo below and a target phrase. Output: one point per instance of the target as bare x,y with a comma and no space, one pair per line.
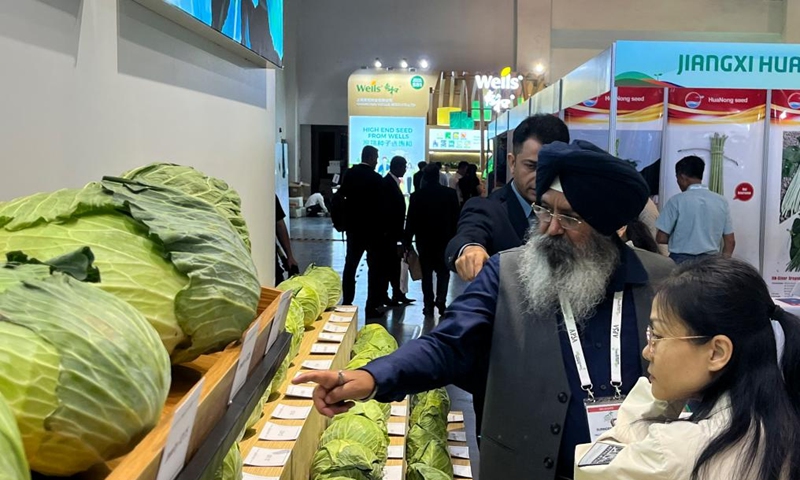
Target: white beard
553,268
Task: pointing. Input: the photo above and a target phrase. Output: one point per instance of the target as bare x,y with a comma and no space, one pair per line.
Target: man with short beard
563,319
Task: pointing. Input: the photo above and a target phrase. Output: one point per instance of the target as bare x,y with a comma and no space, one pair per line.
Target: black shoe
442,307
393,303
372,313
403,300
428,311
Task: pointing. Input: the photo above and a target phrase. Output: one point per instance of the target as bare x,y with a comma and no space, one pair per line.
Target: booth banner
707,64
782,210
389,93
455,140
392,136
640,113
726,129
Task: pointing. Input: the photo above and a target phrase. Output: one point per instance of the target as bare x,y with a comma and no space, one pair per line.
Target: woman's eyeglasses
546,216
653,339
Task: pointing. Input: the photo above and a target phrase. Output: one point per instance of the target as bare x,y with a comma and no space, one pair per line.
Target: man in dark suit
394,218
417,179
500,222
362,190
432,218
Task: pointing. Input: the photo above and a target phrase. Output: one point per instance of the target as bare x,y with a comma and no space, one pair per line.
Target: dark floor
315,241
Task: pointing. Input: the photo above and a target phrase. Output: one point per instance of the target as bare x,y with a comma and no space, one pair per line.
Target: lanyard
616,346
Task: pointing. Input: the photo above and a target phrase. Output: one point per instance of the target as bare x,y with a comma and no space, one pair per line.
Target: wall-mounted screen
454,140
256,24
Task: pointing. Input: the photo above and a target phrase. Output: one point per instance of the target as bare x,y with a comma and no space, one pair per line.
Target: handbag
414,267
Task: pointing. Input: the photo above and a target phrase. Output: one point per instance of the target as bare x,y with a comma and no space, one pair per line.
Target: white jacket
657,447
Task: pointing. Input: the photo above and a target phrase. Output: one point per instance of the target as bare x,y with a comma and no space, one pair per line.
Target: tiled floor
315,241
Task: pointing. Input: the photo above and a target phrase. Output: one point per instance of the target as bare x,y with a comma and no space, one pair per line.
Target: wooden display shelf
458,427
305,447
218,370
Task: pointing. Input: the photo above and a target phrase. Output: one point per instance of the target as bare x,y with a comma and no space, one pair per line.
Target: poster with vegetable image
640,113
782,210
725,128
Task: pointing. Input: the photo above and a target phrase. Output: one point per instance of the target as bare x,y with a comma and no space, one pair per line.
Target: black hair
368,153
541,127
431,174
472,169
719,296
462,164
438,165
397,161
421,165
691,166
638,233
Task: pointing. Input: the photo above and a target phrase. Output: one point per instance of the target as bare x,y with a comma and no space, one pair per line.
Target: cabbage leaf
13,465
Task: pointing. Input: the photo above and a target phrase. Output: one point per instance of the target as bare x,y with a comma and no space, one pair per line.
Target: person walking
417,178
470,185
462,170
362,190
394,219
432,219
695,222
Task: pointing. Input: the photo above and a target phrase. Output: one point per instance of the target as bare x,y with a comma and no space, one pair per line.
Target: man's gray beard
553,266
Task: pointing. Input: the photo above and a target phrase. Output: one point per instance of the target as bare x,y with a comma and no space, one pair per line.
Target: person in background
362,190
648,217
462,170
499,222
443,178
717,338
394,219
470,185
286,263
695,222
315,205
521,316
636,234
417,179
432,219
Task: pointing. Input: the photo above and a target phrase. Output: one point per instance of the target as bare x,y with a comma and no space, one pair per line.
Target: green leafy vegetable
232,465
794,247
306,297
374,339
280,376
84,372
434,454
374,411
13,465
170,255
419,471
360,361
359,429
295,326
330,279
199,185
347,459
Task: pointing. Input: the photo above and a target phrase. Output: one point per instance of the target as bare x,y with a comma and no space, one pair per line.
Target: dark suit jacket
395,214
362,189
417,179
432,218
496,223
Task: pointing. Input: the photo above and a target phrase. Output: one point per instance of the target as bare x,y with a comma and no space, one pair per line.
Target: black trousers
357,244
390,270
432,261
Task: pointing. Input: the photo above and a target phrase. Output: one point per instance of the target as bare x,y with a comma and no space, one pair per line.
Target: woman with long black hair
717,341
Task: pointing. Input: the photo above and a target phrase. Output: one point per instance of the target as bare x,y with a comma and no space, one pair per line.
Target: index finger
327,379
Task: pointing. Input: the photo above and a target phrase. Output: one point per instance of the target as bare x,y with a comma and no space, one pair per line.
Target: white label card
396,429
457,436
462,471
300,392
280,433
250,476
394,472
601,416
324,349
455,417
330,337
279,322
329,327
180,432
600,454
267,457
340,318
318,364
399,411
459,452
346,308
289,412
396,451
246,356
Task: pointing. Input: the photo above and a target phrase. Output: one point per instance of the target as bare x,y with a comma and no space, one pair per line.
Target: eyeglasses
546,216
653,339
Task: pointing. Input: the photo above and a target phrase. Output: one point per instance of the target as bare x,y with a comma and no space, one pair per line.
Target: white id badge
601,415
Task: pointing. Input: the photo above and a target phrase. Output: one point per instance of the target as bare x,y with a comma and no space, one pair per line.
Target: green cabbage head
346,459
307,297
359,361
359,429
373,410
434,454
420,471
13,465
375,341
328,277
232,465
295,326
83,371
170,255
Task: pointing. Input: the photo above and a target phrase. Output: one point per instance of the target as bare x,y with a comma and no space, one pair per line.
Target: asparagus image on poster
782,210
725,128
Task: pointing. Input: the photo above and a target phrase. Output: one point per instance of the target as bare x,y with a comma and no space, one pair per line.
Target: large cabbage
13,465
199,185
306,297
295,326
346,459
84,372
434,454
429,411
358,429
360,361
280,377
330,279
232,464
373,339
373,410
420,471
167,253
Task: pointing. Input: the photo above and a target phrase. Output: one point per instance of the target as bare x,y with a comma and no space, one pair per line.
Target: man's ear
512,161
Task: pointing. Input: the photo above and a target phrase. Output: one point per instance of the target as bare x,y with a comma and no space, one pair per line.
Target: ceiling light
539,68
404,63
423,64
378,63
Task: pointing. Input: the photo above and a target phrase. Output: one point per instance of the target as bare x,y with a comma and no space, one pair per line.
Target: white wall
95,87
